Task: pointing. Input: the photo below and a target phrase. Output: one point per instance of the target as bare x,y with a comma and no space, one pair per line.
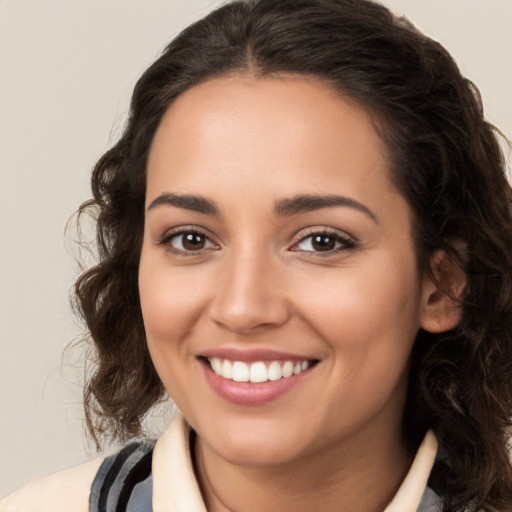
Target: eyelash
346,243
166,240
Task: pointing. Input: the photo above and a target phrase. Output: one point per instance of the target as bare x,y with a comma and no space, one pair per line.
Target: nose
250,296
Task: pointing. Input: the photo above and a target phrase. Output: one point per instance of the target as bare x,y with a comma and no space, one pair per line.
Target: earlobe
442,294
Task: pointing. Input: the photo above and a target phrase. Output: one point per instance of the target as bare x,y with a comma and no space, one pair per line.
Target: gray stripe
430,502
112,492
116,488
141,499
98,482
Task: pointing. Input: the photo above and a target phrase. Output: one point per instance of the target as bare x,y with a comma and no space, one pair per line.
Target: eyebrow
284,208
188,202
308,203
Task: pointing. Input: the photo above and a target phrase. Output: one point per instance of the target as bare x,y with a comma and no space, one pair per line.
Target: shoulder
64,491
124,479
85,487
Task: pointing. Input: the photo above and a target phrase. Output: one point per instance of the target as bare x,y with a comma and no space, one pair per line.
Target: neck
361,474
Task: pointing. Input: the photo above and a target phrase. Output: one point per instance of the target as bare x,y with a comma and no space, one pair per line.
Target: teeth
274,371
287,369
240,372
216,365
227,369
256,372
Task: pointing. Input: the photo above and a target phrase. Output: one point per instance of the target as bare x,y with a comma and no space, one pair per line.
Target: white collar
175,486
409,494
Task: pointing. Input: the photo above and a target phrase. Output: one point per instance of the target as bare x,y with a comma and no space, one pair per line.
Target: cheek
170,306
368,315
171,301
362,300
369,321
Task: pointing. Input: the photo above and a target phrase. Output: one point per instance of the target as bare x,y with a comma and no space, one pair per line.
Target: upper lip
253,355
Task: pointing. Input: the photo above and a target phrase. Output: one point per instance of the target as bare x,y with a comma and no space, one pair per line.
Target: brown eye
323,243
188,241
193,241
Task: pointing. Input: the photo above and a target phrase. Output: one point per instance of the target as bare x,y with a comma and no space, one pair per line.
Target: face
278,279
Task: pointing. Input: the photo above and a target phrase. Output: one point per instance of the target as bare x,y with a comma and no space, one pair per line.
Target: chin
247,452
254,444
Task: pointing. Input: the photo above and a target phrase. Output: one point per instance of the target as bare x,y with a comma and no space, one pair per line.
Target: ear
441,309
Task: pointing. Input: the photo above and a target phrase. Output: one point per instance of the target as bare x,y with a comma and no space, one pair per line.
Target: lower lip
247,393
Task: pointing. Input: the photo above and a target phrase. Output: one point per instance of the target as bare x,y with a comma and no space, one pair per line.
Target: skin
333,442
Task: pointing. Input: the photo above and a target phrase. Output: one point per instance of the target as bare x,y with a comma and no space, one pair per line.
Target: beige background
67,69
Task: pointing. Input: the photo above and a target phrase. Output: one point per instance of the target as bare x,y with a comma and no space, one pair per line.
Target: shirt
172,483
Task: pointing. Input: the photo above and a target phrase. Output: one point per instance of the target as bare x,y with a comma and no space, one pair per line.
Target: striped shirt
159,477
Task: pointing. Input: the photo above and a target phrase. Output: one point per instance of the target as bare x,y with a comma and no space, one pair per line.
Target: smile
255,376
257,372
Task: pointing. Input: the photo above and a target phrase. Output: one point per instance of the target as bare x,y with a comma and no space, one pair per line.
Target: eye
323,242
187,241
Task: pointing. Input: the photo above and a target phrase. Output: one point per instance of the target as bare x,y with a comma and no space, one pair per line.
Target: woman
304,238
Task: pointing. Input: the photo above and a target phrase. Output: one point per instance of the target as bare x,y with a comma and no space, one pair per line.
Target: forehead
277,136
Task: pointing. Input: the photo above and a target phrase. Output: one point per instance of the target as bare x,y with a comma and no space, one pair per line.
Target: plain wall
67,70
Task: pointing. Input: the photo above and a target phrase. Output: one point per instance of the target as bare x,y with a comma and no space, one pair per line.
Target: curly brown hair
447,163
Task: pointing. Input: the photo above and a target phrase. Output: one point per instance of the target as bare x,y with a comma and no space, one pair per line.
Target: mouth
254,377
257,372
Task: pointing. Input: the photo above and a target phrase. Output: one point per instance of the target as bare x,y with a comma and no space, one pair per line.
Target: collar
175,486
408,496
